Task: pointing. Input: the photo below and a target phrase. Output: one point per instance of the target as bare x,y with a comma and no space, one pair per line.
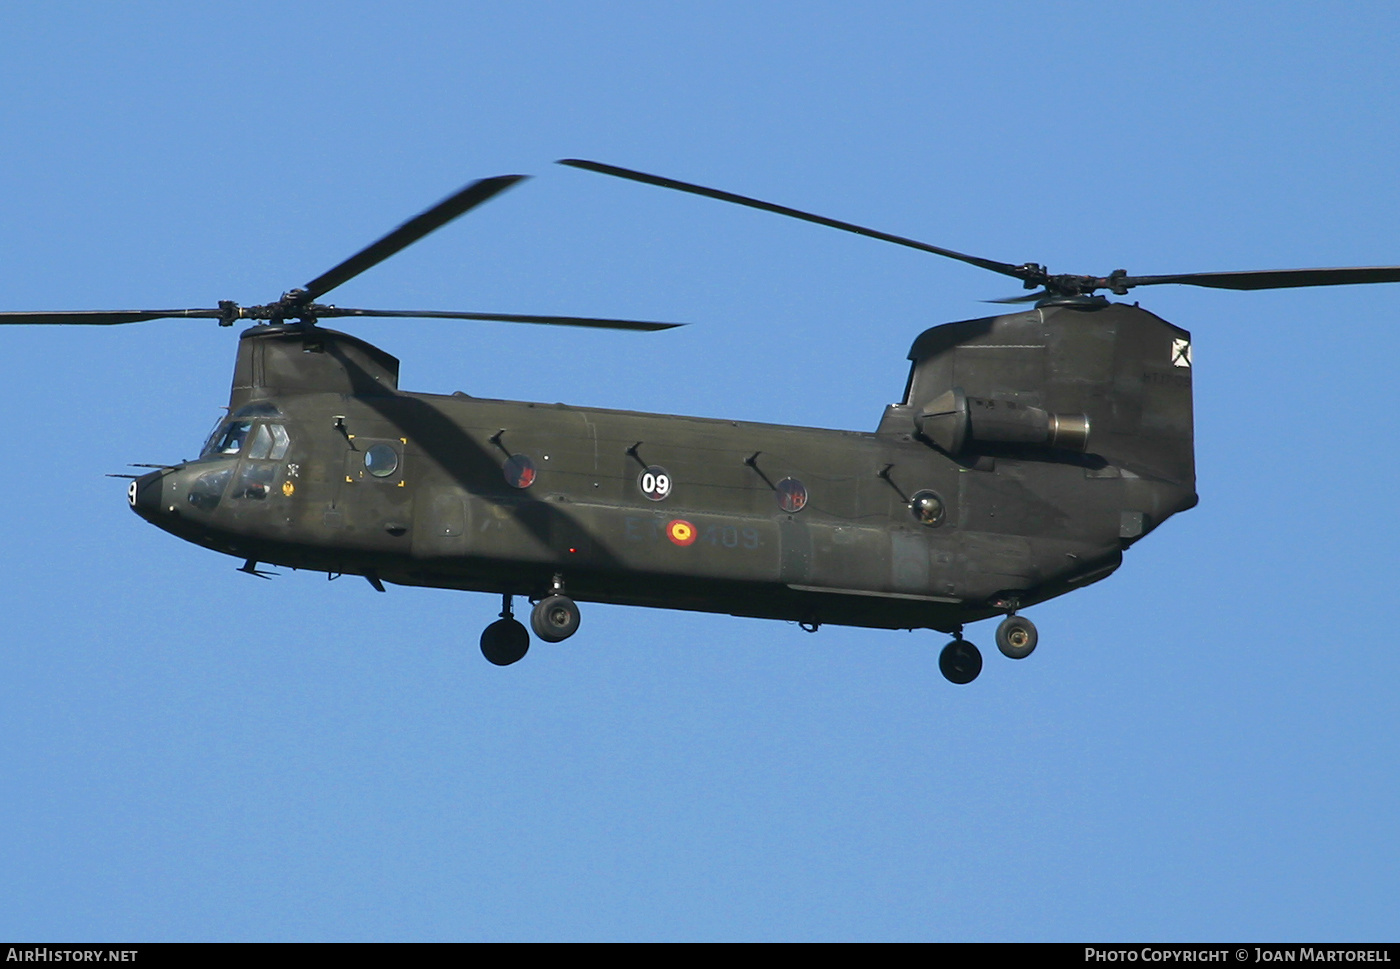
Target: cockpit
230,434
226,438
255,433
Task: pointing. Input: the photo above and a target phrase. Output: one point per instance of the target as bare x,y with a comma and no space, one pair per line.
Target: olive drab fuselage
1028,452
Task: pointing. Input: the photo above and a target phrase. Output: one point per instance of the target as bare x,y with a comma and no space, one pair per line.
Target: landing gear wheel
505,641
960,661
554,618
1016,637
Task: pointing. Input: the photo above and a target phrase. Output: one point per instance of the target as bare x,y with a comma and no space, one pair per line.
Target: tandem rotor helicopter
1028,451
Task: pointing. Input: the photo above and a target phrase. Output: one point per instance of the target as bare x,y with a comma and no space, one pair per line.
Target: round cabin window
792,495
927,508
519,471
381,460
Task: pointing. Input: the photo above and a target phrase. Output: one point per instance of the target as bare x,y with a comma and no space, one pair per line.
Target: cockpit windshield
268,441
231,432
227,438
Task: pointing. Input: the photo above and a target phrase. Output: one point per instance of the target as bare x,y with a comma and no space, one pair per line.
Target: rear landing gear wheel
505,641
960,661
555,618
1016,637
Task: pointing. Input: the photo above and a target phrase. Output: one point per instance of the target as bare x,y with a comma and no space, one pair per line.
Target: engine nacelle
954,420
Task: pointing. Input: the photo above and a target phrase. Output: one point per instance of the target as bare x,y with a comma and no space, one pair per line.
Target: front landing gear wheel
505,641
1016,637
960,661
554,618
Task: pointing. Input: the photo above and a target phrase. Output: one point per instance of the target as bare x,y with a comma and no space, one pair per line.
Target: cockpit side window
262,443
265,448
256,480
213,437
280,441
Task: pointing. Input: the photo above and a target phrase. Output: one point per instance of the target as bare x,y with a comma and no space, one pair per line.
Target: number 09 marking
654,482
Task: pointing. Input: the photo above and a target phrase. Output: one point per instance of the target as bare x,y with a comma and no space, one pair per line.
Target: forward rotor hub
295,304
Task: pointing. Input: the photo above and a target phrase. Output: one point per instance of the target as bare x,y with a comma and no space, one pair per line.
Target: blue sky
1202,748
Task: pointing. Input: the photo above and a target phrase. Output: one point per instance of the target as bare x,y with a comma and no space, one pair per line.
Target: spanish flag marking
681,532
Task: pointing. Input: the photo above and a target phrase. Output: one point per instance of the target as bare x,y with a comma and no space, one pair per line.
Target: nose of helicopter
182,497
144,494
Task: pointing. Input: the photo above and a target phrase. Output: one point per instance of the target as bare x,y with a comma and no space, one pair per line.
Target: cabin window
519,471
792,495
928,509
381,460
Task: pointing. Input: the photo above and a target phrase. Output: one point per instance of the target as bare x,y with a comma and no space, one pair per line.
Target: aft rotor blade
104,317
589,321
1006,269
410,232
1277,278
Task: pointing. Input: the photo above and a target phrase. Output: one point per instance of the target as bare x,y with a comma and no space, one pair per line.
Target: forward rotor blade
1277,278
103,317
589,321
410,232
1006,269
1026,298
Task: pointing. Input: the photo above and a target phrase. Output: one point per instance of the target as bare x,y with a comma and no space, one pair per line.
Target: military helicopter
1029,450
